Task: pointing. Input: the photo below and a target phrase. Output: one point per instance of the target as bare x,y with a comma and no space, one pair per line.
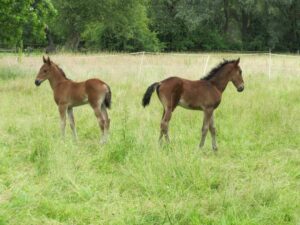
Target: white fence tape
206,63
267,63
272,67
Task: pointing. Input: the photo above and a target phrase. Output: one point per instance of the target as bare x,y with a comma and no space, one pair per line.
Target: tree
114,25
73,15
24,21
152,25
187,25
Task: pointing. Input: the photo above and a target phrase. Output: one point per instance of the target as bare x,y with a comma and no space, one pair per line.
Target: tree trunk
226,14
50,47
245,24
73,42
294,31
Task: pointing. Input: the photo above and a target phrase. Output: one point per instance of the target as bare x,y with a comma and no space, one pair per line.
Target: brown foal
68,94
204,94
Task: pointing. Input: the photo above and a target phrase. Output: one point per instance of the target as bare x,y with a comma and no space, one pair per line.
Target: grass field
253,179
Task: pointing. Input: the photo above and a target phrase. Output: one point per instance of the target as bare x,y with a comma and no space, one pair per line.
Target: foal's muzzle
37,82
240,88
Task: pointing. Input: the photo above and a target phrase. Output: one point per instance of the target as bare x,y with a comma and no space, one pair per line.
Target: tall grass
253,179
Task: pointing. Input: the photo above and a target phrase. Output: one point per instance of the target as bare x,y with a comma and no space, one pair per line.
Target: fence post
20,51
206,63
270,63
141,64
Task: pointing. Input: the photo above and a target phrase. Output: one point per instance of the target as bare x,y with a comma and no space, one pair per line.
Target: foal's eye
45,71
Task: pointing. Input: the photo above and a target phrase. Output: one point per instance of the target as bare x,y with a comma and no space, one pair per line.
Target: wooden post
206,63
270,63
141,64
20,51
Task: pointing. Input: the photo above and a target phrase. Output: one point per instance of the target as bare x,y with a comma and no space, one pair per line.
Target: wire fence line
196,64
271,64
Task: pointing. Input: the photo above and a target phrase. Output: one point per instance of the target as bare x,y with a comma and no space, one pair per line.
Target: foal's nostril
240,89
37,82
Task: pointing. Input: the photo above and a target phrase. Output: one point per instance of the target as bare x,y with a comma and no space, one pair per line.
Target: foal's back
191,94
78,93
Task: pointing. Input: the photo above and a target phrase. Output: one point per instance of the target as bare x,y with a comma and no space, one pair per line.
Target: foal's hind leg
107,120
206,122
164,125
72,123
169,102
161,132
212,130
101,119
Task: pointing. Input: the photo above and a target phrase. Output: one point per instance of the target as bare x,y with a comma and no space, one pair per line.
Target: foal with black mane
204,94
68,94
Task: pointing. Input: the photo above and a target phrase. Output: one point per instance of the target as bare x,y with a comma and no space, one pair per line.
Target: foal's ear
237,62
44,60
48,61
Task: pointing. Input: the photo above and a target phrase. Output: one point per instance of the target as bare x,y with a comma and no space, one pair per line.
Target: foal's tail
107,99
148,93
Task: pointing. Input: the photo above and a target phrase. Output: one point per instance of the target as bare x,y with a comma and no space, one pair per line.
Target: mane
62,72
215,70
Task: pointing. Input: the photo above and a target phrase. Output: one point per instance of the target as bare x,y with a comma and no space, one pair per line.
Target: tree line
151,25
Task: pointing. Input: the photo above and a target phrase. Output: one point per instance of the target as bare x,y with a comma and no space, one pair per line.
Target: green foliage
106,25
144,25
220,25
24,21
12,14
73,15
126,28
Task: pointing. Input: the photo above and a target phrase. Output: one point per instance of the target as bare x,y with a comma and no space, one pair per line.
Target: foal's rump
169,88
98,92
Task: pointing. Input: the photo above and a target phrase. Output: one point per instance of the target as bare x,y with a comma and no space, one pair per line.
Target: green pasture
253,179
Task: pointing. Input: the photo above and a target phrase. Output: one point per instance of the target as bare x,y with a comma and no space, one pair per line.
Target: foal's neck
221,79
56,78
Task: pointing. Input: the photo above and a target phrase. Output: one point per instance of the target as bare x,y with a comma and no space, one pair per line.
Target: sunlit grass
253,179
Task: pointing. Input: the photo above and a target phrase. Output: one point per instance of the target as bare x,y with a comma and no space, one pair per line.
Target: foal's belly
79,102
183,103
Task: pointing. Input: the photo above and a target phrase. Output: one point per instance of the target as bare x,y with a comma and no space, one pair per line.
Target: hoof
215,148
103,141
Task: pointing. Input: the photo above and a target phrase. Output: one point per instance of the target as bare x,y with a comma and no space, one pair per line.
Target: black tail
107,100
148,94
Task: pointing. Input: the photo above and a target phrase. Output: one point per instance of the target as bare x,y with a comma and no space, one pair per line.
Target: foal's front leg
206,122
212,130
62,108
72,122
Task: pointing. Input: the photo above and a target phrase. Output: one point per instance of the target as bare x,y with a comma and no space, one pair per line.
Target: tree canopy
152,25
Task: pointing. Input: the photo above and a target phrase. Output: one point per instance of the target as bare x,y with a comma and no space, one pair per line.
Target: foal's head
225,72
45,71
236,75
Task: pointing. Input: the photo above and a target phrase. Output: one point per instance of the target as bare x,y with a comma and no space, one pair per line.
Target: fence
8,50
268,63
189,65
